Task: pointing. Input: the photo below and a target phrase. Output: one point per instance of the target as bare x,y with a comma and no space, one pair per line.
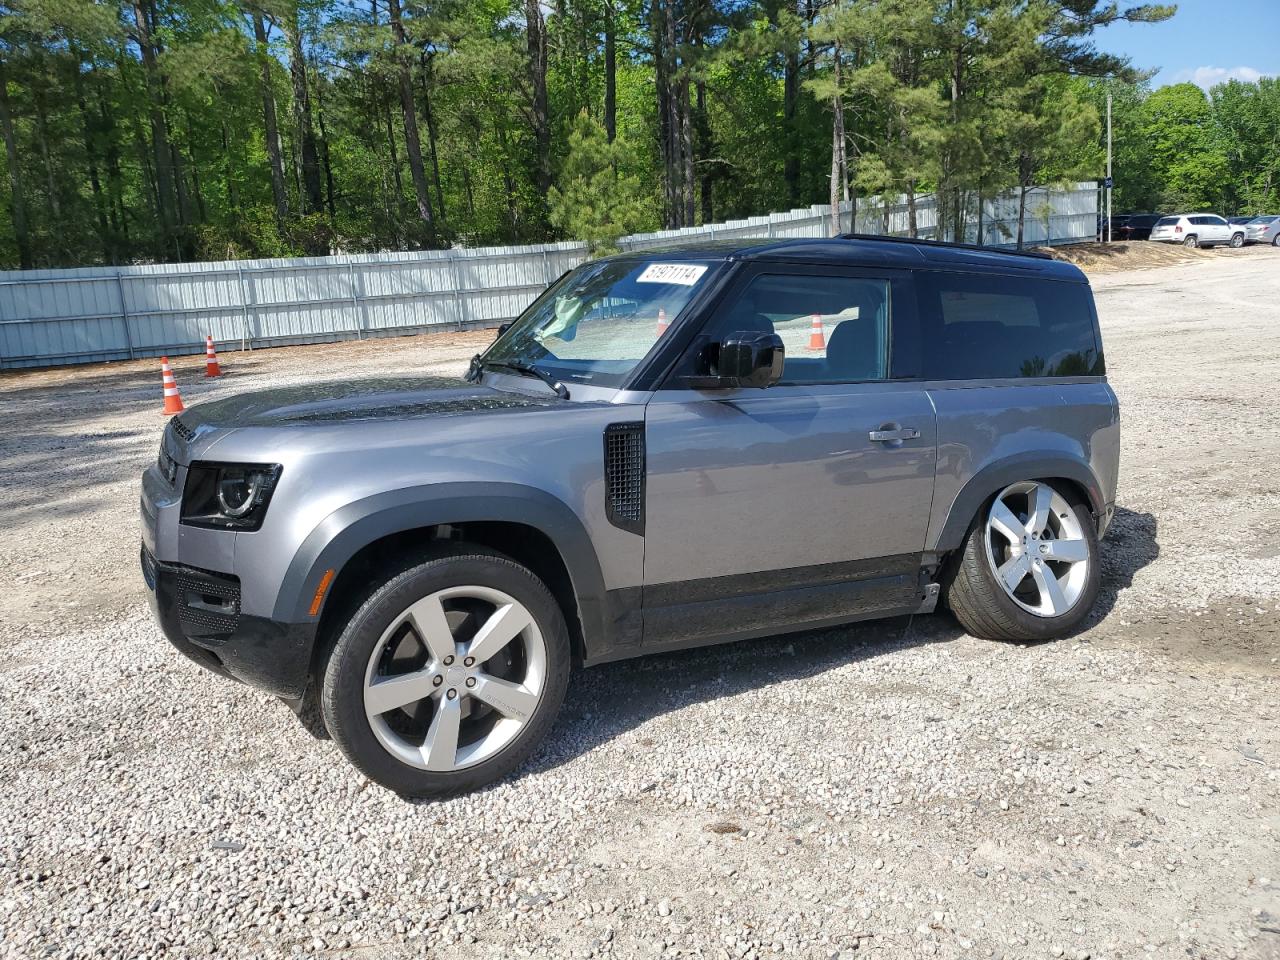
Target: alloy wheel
1037,548
455,678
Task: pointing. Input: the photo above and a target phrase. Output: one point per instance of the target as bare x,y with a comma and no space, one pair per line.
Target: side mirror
750,359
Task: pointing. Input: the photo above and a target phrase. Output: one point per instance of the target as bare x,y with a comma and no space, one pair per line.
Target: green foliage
1185,151
596,200
1247,119
129,140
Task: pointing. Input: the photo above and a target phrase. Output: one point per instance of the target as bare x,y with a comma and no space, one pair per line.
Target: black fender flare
346,531
1030,465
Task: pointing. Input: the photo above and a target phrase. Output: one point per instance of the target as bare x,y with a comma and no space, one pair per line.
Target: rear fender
993,478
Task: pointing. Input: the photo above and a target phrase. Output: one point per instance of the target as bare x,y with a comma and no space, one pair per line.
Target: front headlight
228,496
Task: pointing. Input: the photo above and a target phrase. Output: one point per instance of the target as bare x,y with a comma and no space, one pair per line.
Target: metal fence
53,317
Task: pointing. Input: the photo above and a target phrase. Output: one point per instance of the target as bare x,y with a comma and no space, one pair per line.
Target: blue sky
1206,42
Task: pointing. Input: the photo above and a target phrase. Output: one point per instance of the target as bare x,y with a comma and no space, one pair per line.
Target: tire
1275,241
975,593
1237,240
1191,241
448,737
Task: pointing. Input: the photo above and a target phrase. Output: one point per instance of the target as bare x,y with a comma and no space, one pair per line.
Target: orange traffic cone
816,340
172,401
662,321
211,368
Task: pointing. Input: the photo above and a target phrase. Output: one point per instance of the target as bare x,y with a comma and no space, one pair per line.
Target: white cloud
1206,77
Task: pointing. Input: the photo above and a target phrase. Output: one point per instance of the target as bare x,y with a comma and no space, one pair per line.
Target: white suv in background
1198,230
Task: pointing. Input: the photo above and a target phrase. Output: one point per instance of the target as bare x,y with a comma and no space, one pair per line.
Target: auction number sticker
685,274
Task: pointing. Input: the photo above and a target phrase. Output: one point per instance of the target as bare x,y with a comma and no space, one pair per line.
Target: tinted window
1215,221
1167,222
979,327
835,329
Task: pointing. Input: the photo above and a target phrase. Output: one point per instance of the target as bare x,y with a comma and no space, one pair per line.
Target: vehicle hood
390,398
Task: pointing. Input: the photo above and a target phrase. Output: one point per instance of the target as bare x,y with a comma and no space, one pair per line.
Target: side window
836,329
979,327
1216,221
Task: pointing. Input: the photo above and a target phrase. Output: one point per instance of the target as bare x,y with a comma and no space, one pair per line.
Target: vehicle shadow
1132,542
606,702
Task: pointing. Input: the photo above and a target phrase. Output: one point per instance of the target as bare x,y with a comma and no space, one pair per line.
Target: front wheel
449,676
1029,569
1237,240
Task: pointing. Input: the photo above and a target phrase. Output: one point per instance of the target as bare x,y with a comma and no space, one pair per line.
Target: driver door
805,503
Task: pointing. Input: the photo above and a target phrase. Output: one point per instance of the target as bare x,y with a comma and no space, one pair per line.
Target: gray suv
665,450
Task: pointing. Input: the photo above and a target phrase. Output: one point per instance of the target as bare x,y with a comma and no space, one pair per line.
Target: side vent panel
624,475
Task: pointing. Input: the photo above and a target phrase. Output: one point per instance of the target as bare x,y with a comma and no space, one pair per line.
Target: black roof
858,250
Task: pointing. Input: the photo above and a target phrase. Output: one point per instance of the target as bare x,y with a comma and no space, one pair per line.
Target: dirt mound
1110,257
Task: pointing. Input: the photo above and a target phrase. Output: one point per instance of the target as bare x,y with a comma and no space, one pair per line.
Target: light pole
1109,181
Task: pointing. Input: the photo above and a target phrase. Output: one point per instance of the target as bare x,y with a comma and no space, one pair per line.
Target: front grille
624,475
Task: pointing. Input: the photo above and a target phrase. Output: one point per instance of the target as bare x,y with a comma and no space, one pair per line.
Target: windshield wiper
528,370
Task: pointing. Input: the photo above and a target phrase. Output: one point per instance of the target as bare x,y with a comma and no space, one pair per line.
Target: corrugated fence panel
51,317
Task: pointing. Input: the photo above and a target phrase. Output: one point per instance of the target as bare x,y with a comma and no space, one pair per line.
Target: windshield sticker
685,274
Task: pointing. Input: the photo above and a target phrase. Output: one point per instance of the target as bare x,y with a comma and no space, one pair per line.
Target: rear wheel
1191,241
1275,241
449,676
1029,568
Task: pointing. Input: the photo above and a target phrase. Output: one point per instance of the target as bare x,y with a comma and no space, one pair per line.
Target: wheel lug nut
471,681
438,680
452,694
469,662
448,660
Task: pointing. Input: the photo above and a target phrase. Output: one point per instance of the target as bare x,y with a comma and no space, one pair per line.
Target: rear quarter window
979,327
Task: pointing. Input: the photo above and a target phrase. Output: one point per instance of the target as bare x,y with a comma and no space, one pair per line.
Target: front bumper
199,612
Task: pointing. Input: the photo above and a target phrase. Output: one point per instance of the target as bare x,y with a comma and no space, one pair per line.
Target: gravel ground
891,790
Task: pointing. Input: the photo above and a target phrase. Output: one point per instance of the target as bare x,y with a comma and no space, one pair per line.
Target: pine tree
594,201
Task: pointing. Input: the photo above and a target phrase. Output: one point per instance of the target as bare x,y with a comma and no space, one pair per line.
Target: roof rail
1036,254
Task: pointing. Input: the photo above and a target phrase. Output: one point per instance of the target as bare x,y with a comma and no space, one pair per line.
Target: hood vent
624,475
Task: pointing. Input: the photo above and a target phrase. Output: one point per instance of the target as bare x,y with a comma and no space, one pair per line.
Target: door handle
892,436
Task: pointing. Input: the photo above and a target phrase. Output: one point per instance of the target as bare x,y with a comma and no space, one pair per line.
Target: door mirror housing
750,359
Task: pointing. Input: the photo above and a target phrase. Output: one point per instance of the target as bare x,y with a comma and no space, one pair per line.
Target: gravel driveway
889,790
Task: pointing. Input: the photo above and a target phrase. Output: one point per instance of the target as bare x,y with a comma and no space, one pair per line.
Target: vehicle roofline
795,250
946,244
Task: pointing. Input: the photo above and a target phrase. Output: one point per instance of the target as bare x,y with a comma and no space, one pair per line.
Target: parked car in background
1129,226
1238,221
1263,230
1138,226
1118,224
1198,230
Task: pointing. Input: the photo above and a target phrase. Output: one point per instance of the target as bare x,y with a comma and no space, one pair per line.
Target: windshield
597,323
